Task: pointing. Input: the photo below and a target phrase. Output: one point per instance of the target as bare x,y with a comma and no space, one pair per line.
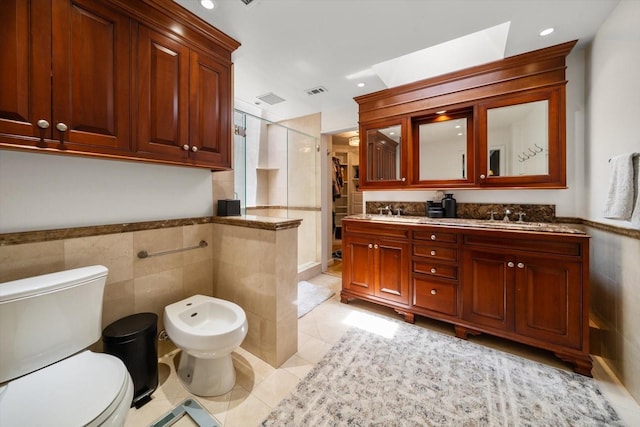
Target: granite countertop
255,221
543,227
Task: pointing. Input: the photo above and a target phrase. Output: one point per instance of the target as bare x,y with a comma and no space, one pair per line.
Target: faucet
492,215
389,209
507,212
380,210
520,215
399,211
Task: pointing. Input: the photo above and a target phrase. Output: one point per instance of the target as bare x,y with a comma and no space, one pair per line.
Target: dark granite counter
542,227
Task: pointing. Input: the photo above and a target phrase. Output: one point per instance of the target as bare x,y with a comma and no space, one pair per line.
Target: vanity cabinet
376,260
435,272
127,80
65,86
526,286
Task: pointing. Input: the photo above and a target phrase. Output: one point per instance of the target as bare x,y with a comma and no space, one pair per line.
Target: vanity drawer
436,252
435,269
435,236
435,296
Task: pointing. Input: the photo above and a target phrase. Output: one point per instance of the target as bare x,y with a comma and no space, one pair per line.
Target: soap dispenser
449,205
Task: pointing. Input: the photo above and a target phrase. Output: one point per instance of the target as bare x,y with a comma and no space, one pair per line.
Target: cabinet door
25,73
548,300
209,113
91,76
163,96
358,259
392,270
487,289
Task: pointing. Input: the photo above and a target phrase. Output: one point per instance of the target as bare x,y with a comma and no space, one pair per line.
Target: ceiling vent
270,98
316,90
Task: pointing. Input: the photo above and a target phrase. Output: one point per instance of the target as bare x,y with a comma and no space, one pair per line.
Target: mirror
383,154
442,148
518,139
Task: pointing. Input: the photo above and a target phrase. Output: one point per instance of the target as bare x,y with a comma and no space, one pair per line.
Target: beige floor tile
313,349
245,409
276,387
297,366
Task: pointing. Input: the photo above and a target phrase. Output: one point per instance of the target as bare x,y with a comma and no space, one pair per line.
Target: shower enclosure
277,174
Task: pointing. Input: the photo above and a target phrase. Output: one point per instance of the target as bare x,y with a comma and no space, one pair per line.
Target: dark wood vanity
527,286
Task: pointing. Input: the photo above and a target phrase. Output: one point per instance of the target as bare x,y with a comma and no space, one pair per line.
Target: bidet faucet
507,212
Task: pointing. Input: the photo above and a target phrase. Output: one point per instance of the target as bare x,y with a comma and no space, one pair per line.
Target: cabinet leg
581,366
408,317
343,298
463,333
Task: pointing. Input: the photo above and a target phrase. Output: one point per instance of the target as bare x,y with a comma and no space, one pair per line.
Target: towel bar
145,254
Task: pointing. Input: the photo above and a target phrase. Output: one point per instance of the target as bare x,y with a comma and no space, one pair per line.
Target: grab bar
145,254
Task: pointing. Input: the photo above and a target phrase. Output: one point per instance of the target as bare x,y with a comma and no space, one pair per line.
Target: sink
400,219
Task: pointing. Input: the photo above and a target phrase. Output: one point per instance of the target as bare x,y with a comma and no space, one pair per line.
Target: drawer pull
370,245
433,237
376,246
433,270
433,253
510,264
433,292
520,265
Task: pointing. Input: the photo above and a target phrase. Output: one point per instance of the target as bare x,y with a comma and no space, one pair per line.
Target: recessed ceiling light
361,84
460,134
441,112
546,32
458,126
207,4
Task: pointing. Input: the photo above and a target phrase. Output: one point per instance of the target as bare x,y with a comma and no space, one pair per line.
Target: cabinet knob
520,265
403,179
375,246
510,264
433,270
185,147
433,237
62,127
370,246
483,176
433,292
194,148
42,124
433,253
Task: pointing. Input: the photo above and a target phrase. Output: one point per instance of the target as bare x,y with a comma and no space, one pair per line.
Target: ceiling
290,46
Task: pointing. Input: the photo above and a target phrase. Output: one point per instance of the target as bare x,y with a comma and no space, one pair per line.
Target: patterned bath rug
411,376
310,296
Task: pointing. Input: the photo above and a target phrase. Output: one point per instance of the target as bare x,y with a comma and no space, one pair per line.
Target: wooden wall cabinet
530,287
73,67
65,86
485,155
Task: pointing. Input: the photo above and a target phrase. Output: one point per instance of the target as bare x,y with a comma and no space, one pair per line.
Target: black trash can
133,340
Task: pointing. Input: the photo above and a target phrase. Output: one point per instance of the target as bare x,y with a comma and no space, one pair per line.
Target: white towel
621,197
635,218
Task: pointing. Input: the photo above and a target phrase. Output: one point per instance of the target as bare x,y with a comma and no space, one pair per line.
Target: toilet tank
47,318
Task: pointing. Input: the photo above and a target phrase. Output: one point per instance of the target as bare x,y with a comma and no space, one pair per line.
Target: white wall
566,200
614,107
42,192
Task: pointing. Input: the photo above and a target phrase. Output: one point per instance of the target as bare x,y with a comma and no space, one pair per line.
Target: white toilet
207,330
47,378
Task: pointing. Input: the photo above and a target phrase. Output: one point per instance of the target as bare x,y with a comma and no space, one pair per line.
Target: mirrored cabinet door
383,154
522,140
443,148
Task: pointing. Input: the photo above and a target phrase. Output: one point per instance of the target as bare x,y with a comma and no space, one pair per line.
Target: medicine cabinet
498,125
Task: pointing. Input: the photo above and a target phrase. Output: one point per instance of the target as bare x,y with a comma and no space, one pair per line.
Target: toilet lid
72,392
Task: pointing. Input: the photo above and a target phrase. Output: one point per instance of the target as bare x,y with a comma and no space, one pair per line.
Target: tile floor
260,387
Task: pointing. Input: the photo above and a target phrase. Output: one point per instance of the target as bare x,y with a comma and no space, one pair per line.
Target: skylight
467,51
